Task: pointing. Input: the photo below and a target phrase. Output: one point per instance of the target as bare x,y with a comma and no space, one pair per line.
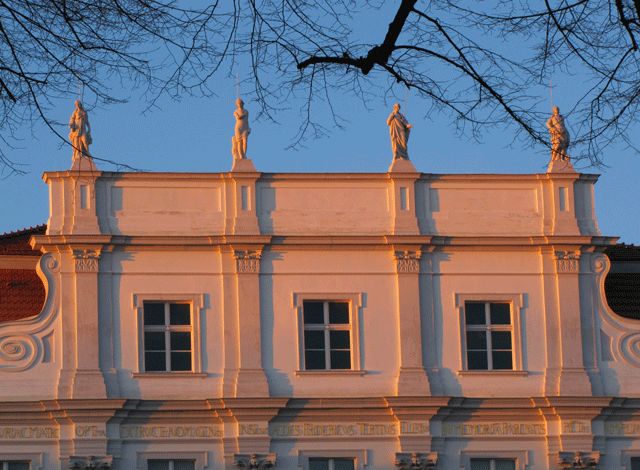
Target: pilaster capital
90,463
247,261
86,260
567,261
407,261
416,460
254,461
578,460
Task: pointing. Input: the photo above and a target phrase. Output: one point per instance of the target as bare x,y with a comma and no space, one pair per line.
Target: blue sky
193,135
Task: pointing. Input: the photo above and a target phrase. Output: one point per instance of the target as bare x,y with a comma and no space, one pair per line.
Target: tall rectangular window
168,343
489,335
493,464
327,335
182,464
635,463
318,463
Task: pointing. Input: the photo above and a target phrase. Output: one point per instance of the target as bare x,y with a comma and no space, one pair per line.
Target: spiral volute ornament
18,352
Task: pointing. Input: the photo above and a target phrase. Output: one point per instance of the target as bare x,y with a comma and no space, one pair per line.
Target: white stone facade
408,256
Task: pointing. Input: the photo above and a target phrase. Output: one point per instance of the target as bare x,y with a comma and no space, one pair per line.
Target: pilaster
412,377
402,196
241,196
559,204
251,380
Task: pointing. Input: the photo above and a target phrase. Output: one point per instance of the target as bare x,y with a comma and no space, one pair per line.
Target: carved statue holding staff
399,129
559,136
241,133
80,132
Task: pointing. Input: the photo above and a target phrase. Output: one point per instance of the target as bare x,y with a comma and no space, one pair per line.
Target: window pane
158,464
635,463
476,340
500,340
502,360
154,341
500,314
155,361
313,312
18,465
184,464
153,313
343,464
480,464
340,359
180,314
314,339
181,361
477,360
474,313
318,464
339,339
505,464
180,341
339,313
314,360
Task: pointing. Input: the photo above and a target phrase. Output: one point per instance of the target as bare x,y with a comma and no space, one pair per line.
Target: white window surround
517,305
359,456
35,459
355,301
521,457
201,458
197,306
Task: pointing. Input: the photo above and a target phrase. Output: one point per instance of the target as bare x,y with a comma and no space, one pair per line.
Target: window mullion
167,339
327,347
487,313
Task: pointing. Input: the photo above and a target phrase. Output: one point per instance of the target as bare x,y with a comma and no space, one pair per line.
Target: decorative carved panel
248,261
90,463
579,460
416,461
254,461
568,261
408,261
23,342
86,261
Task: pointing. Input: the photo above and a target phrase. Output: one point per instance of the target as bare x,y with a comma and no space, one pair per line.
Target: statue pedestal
243,164
401,165
560,166
84,163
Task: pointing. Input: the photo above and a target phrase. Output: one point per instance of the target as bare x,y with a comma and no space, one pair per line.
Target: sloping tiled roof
17,243
21,294
623,288
623,252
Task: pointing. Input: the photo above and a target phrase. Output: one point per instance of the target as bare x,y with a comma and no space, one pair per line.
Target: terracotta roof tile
17,243
21,294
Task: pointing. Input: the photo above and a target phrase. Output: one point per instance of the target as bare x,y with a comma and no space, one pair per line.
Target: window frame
520,457
516,303
196,303
34,459
201,459
355,302
359,456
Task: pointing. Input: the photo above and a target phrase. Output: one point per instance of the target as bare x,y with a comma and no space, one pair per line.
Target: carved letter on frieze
567,261
408,261
416,461
90,463
254,461
578,460
248,261
86,261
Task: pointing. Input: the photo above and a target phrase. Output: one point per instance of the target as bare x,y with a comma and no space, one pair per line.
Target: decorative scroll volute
247,261
408,261
568,261
254,461
86,261
416,461
579,460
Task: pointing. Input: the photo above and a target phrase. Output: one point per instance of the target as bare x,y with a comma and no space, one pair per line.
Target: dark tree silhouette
460,59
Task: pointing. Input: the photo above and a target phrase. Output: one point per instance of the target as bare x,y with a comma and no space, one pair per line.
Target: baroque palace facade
317,322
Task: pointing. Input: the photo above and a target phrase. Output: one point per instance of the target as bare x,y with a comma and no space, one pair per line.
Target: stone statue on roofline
399,129
80,136
241,133
559,136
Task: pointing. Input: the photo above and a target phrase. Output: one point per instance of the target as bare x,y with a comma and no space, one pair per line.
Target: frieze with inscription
170,432
288,430
14,433
493,429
